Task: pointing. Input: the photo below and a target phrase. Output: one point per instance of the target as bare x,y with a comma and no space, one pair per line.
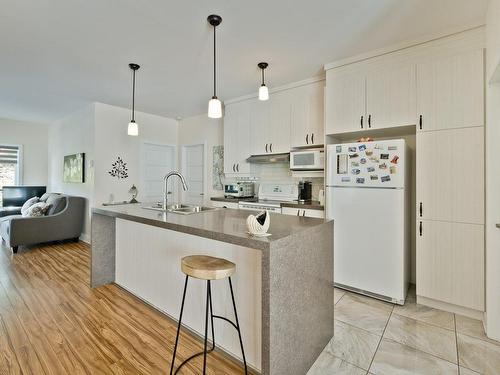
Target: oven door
310,160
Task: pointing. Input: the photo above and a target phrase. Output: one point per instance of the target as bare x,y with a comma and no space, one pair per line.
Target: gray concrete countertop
307,205
226,225
498,225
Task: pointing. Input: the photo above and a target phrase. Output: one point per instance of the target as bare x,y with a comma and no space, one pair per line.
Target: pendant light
263,90
214,104
133,128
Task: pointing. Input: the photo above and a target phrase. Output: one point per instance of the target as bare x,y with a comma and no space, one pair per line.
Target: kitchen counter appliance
305,191
239,190
307,160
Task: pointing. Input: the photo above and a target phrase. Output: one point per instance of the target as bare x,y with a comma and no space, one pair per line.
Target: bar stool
207,268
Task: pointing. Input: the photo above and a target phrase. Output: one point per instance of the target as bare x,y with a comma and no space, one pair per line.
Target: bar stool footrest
227,320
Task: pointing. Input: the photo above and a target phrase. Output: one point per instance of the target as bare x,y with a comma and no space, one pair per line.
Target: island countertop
224,224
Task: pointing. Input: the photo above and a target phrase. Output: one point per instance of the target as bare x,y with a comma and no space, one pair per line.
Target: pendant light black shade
263,90
133,128
214,104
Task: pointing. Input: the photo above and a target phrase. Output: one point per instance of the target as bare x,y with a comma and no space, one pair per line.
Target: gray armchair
67,223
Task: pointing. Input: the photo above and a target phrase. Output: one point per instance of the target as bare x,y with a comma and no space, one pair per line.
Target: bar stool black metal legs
196,268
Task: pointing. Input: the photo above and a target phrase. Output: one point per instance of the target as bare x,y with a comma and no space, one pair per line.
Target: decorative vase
259,225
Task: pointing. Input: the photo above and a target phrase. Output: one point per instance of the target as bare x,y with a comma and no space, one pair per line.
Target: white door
193,167
390,96
450,91
156,161
345,102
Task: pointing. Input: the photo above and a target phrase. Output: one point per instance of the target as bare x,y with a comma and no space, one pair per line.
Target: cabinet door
259,126
279,122
291,211
237,138
307,115
345,102
450,175
450,91
391,97
320,214
450,263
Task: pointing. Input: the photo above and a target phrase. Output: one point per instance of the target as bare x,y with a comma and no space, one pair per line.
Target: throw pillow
30,202
38,209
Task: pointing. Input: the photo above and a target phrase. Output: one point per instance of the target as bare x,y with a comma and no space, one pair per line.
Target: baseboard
85,238
465,311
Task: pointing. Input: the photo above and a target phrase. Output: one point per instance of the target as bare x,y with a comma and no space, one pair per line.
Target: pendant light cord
133,96
262,77
215,65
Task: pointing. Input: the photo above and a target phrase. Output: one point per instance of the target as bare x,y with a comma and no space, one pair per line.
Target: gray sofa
63,221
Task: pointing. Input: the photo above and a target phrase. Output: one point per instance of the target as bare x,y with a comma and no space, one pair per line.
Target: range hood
270,158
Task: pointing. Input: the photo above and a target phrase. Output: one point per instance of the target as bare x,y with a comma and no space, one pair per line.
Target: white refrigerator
368,197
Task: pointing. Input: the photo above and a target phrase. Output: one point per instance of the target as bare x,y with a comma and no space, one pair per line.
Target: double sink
183,209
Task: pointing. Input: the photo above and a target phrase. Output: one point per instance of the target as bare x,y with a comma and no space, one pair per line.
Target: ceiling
59,55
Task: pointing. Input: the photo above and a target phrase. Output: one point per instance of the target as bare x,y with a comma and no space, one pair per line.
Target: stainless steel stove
271,196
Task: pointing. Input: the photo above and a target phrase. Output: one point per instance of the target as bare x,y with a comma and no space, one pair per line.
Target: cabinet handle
420,209
271,147
369,121
420,229
361,122
307,138
420,122
238,167
233,168
304,213
312,138
266,147
298,212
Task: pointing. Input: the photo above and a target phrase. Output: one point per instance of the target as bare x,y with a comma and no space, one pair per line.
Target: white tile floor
374,337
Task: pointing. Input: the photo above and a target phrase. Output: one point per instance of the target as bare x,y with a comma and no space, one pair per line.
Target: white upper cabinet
391,96
307,115
450,91
345,102
259,126
279,127
237,138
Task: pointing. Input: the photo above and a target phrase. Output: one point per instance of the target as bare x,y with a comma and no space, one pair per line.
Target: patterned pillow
38,209
30,202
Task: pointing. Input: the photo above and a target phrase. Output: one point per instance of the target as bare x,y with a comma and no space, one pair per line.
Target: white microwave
307,160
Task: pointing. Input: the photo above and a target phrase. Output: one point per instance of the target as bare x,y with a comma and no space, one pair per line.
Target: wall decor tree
119,169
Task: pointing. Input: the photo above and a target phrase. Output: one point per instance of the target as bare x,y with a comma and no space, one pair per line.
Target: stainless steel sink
183,209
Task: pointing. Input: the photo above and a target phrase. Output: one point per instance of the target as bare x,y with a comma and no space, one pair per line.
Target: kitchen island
283,283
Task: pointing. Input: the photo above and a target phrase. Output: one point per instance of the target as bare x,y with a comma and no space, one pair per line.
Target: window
10,166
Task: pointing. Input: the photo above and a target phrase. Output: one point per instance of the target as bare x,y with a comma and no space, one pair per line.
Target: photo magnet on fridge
346,179
354,164
338,149
369,152
383,166
352,156
360,180
378,147
356,171
373,177
395,159
374,159
352,149
392,169
385,178
362,147
370,169
363,161
384,156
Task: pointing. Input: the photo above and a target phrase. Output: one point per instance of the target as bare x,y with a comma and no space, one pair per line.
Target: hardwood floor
52,322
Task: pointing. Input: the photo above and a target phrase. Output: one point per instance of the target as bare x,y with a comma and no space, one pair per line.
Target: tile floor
373,337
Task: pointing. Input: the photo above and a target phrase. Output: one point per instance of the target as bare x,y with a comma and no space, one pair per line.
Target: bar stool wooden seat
207,268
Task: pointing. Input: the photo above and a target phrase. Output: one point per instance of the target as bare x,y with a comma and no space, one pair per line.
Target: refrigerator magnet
395,159
362,160
370,169
379,147
352,156
362,147
354,164
360,180
356,171
346,179
383,166
342,164
384,156
373,177
385,178
352,149
338,149
369,152
392,148
392,169
374,159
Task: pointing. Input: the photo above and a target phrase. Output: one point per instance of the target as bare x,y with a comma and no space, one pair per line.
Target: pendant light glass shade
133,129
263,93
214,108
214,104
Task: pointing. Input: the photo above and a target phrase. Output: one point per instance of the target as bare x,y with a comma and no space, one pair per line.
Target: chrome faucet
165,180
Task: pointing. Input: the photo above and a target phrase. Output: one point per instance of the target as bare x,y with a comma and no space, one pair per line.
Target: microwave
307,160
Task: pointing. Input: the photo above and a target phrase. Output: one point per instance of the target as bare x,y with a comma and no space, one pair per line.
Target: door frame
142,158
182,165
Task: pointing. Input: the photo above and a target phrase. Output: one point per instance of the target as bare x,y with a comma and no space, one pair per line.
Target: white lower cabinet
303,212
450,263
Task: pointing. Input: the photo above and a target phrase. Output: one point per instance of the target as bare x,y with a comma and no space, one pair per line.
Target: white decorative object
259,225
30,202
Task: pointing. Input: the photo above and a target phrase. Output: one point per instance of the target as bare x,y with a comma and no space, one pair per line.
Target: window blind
9,154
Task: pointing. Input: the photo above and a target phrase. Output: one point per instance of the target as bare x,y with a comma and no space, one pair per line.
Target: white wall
111,141
492,173
201,129
33,138
71,135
